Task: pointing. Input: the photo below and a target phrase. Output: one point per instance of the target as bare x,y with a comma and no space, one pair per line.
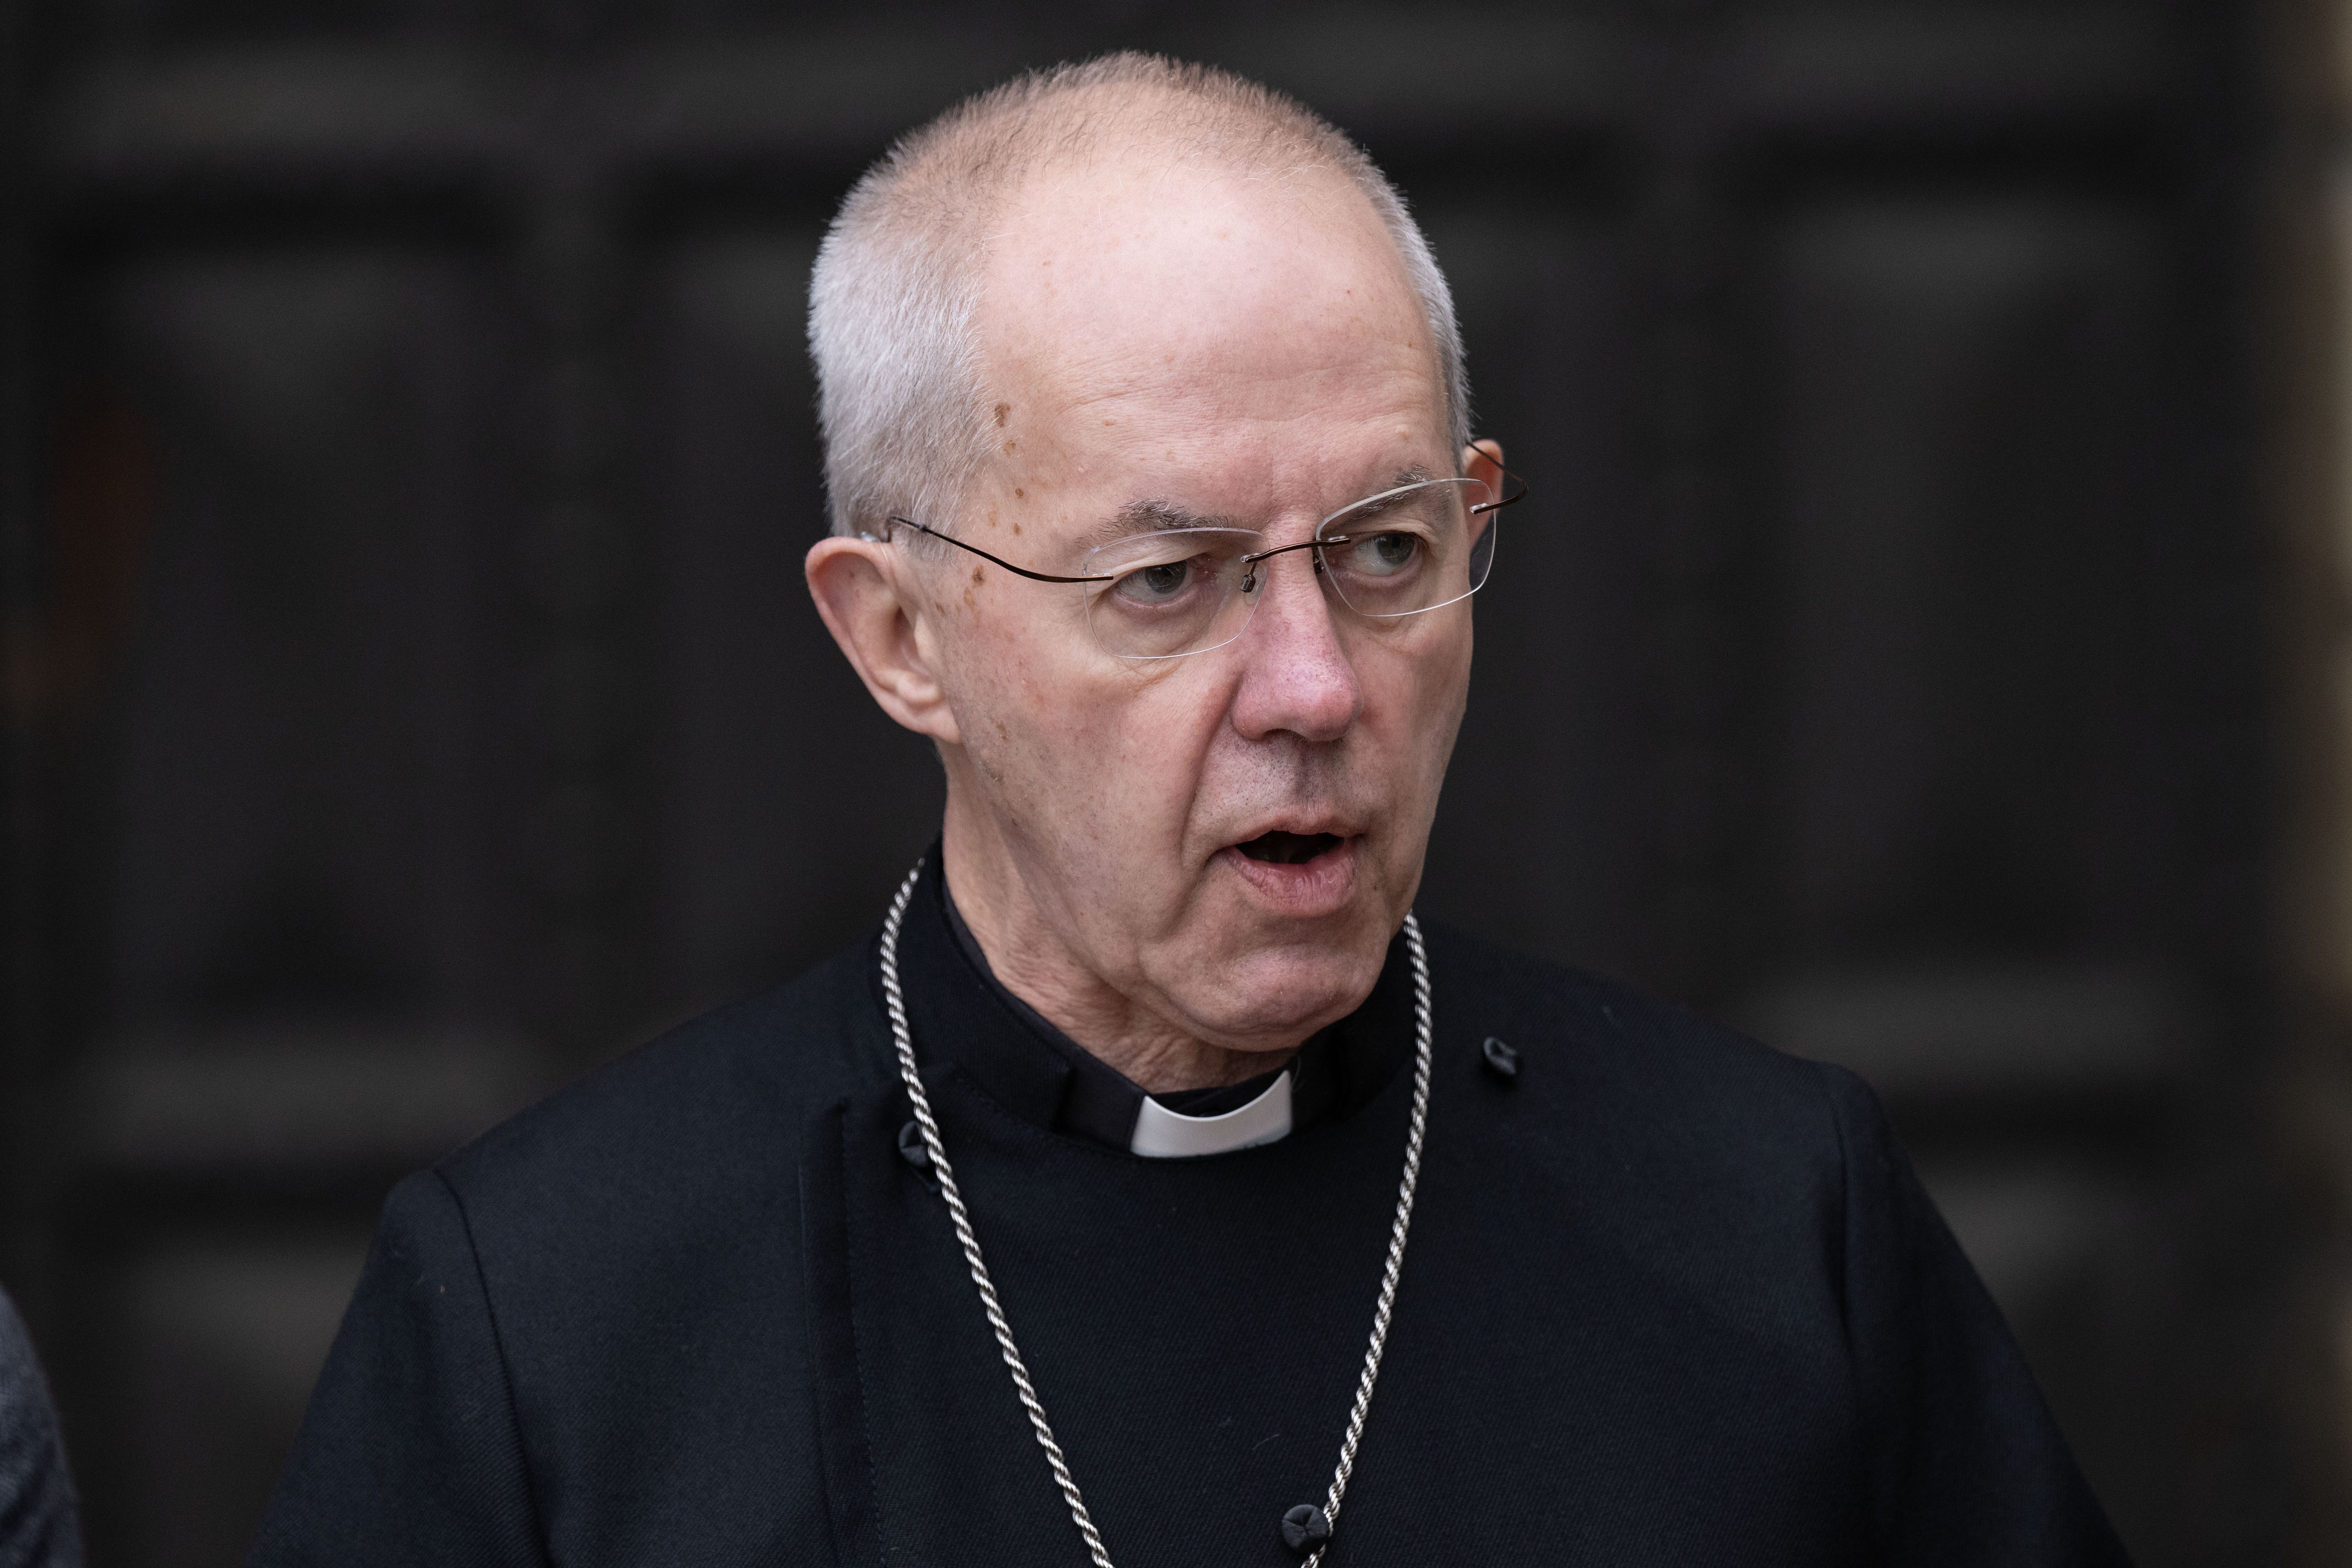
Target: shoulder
1645,1144
1610,1066
1607,1028
684,1123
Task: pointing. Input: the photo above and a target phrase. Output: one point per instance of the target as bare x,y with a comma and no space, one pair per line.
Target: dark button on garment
913,1150
1305,1528
1502,1060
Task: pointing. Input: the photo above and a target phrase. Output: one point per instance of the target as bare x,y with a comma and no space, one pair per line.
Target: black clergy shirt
1671,1298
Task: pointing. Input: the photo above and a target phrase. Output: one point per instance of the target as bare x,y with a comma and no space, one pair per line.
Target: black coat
1671,1298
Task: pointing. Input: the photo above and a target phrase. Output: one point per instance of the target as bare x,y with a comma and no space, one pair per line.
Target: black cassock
1671,1298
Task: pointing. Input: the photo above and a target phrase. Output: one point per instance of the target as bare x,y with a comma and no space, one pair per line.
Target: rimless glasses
1173,587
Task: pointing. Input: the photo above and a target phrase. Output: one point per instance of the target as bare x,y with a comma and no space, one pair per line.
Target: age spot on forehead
1009,446
1002,410
1019,494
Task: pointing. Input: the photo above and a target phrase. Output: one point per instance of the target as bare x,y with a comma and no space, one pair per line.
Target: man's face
1226,839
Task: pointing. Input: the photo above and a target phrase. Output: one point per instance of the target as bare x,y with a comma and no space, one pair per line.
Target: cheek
1147,722
1427,693
1071,746
993,681
1139,753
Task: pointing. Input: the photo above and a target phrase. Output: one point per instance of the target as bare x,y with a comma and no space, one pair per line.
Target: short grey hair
896,291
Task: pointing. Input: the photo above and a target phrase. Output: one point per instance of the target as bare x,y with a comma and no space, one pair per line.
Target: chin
1271,997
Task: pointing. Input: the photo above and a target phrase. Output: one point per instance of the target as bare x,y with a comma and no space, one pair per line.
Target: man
1151,1189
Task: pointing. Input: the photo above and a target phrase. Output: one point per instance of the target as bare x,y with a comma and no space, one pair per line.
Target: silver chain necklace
1306,1528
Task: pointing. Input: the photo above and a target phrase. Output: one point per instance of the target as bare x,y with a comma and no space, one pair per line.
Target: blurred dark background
411,697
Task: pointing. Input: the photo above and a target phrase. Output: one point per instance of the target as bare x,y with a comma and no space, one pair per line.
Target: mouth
1282,848
1294,875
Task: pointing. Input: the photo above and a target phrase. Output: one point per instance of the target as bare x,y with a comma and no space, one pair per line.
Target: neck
1036,962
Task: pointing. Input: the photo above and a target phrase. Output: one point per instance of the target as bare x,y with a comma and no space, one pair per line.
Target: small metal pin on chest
1501,1059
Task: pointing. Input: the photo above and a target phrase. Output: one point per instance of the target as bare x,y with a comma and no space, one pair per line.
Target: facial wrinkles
1043,610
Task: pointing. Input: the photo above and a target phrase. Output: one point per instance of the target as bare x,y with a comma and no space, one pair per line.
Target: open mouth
1280,849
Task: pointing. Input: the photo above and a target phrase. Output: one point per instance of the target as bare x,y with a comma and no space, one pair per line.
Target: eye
1155,585
1383,554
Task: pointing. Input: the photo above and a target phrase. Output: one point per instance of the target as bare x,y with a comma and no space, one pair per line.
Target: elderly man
1152,1188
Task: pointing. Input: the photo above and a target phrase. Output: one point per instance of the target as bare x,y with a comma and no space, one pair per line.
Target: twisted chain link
904,1037
1424,1028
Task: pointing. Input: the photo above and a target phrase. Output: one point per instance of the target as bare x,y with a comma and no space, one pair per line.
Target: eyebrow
1375,501
1139,517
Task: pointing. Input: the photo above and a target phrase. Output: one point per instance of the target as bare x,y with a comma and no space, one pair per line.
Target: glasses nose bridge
1253,573
1257,586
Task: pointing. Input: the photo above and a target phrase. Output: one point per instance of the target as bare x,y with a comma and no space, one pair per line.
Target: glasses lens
1412,549
1173,592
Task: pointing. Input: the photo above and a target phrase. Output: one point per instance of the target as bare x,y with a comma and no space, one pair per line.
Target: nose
1296,677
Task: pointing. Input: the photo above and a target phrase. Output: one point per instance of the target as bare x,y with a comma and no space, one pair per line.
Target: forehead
1128,299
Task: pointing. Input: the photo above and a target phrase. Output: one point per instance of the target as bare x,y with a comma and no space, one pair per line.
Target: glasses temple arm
1507,500
984,555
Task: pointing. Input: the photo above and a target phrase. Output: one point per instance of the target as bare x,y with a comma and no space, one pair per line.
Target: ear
1482,460
874,611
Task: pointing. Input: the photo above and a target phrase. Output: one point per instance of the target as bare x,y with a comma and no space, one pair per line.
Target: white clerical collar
1164,1134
